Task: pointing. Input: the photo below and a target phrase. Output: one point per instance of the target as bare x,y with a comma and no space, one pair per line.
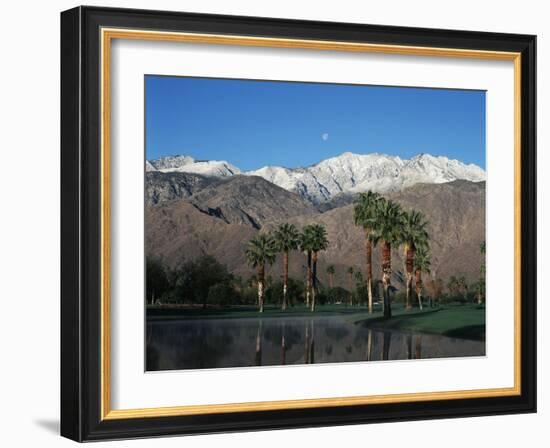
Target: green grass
458,321
163,313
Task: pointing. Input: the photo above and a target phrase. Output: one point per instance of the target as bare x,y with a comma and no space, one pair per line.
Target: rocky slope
164,187
250,200
218,218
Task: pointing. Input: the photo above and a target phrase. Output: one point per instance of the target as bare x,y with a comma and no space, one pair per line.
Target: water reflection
214,343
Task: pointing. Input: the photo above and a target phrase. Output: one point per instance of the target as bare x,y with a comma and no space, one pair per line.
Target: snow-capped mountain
187,164
346,173
353,173
171,162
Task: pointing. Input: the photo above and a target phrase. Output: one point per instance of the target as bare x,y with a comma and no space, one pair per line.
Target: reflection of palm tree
388,232
260,250
286,239
258,357
319,242
365,216
413,236
369,345
408,342
386,342
418,348
283,345
306,348
312,345
422,264
309,348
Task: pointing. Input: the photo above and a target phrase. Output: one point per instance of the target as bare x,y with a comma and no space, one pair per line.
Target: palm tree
331,271
422,264
463,287
319,242
452,286
259,251
350,273
365,216
358,285
388,232
413,237
286,238
306,246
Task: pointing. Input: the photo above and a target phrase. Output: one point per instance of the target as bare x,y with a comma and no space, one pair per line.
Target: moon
324,136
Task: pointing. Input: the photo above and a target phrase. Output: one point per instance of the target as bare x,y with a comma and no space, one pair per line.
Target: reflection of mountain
346,173
189,215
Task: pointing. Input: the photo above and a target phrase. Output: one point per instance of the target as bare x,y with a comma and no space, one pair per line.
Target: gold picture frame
108,30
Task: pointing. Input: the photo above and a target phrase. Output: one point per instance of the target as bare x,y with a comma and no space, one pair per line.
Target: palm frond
261,250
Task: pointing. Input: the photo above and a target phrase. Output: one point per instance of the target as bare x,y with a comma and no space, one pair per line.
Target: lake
215,343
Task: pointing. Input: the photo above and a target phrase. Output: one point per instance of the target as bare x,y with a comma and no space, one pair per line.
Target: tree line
385,224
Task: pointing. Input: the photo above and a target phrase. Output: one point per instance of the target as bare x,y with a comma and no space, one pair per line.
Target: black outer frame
80,223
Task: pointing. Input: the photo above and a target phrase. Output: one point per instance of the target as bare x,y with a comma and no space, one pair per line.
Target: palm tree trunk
418,282
368,244
314,284
285,278
261,274
386,277
308,278
409,257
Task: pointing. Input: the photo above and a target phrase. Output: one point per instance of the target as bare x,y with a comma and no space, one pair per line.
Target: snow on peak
187,164
353,173
345,173
170,162
217,168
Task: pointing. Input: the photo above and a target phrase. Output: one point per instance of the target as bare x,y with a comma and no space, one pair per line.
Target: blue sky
256,123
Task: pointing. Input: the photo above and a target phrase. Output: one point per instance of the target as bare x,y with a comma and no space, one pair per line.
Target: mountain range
347,173
189,213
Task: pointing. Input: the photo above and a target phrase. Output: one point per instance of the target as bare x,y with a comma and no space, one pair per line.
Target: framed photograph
273,223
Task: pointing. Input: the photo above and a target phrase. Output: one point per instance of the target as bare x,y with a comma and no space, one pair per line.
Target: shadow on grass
401,317
455,322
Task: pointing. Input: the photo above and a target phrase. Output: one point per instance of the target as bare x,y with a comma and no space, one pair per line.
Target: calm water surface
213,343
